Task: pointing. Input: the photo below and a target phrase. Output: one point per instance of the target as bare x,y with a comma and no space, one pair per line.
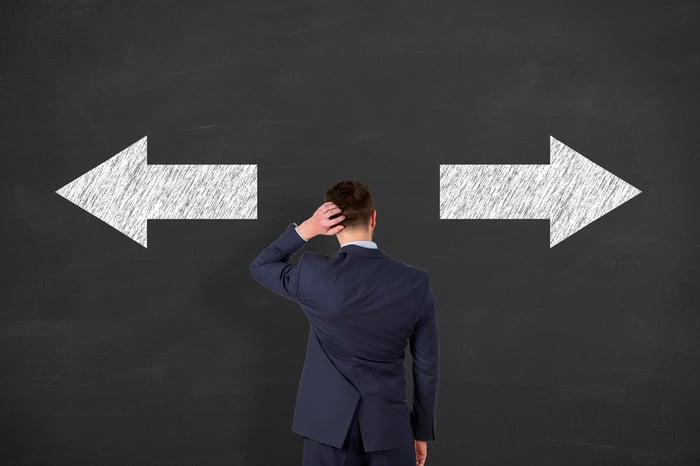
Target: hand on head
320,222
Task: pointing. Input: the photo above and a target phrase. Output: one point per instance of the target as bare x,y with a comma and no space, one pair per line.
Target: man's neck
358,237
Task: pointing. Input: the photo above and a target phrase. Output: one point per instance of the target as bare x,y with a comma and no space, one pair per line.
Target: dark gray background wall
584,354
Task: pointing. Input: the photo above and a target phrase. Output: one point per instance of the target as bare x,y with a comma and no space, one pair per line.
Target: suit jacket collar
362,251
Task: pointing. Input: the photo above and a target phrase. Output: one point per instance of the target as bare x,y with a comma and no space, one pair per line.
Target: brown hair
355,199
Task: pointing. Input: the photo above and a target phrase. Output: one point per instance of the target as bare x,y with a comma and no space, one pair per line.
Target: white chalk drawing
125,191
570,191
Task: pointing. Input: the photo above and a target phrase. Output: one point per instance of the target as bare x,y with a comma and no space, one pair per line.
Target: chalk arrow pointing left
125,192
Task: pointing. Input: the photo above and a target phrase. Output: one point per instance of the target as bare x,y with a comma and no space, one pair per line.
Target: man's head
355,200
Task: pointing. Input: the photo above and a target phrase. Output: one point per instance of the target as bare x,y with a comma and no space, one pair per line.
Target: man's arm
297,228
425,350
271,267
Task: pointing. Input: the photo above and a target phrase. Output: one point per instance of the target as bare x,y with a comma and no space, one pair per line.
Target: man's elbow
254,270
428,374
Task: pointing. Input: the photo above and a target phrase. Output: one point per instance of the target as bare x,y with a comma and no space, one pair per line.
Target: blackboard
586,353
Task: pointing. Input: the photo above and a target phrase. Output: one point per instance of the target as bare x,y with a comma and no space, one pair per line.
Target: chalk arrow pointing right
571,191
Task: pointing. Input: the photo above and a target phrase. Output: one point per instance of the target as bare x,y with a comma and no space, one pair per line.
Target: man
363,308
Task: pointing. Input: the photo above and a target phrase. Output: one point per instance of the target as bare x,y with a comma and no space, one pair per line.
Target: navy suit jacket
363,308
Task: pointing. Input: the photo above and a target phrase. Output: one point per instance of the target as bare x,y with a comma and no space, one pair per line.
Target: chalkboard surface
587,353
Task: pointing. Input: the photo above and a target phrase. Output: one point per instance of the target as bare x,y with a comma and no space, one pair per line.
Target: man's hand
320,223
421,451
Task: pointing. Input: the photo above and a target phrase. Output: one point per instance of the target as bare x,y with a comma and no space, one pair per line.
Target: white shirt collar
363,243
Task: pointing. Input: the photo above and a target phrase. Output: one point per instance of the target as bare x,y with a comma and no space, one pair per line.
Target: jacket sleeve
271,267
425,350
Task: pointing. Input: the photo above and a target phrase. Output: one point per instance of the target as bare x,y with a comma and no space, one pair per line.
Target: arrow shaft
199,191
476,191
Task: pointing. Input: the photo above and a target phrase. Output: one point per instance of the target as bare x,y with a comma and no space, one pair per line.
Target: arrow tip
592,192
113,193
